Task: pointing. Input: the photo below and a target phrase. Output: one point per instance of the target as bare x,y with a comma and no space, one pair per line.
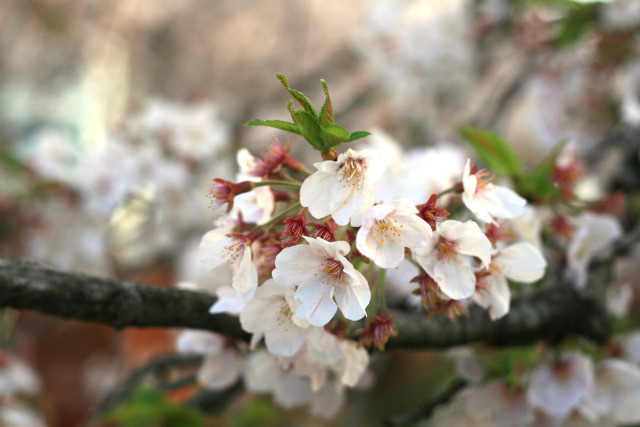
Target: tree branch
119,304
548,314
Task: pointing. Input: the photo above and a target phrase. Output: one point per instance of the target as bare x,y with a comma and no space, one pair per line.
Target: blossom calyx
431,213
223,191
294,230
378,331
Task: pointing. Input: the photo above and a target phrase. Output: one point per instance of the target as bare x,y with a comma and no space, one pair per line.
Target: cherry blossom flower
592,233
520,262
270,313
229,301
616,393
631,347
224,361
344,188
467,365
221,245
560,388
618,299
325,280
504,405
488,201
448,257
387,229
256,205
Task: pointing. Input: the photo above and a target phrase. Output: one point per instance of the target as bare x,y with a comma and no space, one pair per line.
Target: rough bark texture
549,314
30,286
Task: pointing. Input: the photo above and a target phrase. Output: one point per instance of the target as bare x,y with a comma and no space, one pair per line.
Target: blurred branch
157,368
425,411
550,313
213,401
29,285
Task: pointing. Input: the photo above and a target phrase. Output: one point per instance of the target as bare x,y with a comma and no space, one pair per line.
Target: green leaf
576,23
538,184
359,134
309,128
258,412
299,96
326,113
148,407
333,135
493,151
278,124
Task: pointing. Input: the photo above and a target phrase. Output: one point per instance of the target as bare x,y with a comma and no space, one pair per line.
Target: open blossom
592,233
616,393
270,314
520,262
488,201
560,388
325,280
506,406
221,245
448,257
387,229
224,359
344,188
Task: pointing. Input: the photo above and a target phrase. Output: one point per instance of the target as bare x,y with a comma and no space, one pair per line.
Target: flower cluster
309,252
600,387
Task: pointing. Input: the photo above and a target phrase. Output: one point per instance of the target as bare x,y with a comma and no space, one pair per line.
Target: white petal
316,303
245,281
387,254
356,360
455,278
469,182
219,371
328,401
415,231
199,342
521,262
377,162
315,194
212,247
297,265
511,202
557,397
227,302
352,209
285,340
330,249
354,296
470,240
500,296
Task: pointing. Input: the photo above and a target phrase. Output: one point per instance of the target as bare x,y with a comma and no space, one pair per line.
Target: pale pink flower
520,262
228,301
448,259
488,201
224,360
504,405
270,314
221,245
592,234
560,388
387,229
344,188
616,394
325,280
